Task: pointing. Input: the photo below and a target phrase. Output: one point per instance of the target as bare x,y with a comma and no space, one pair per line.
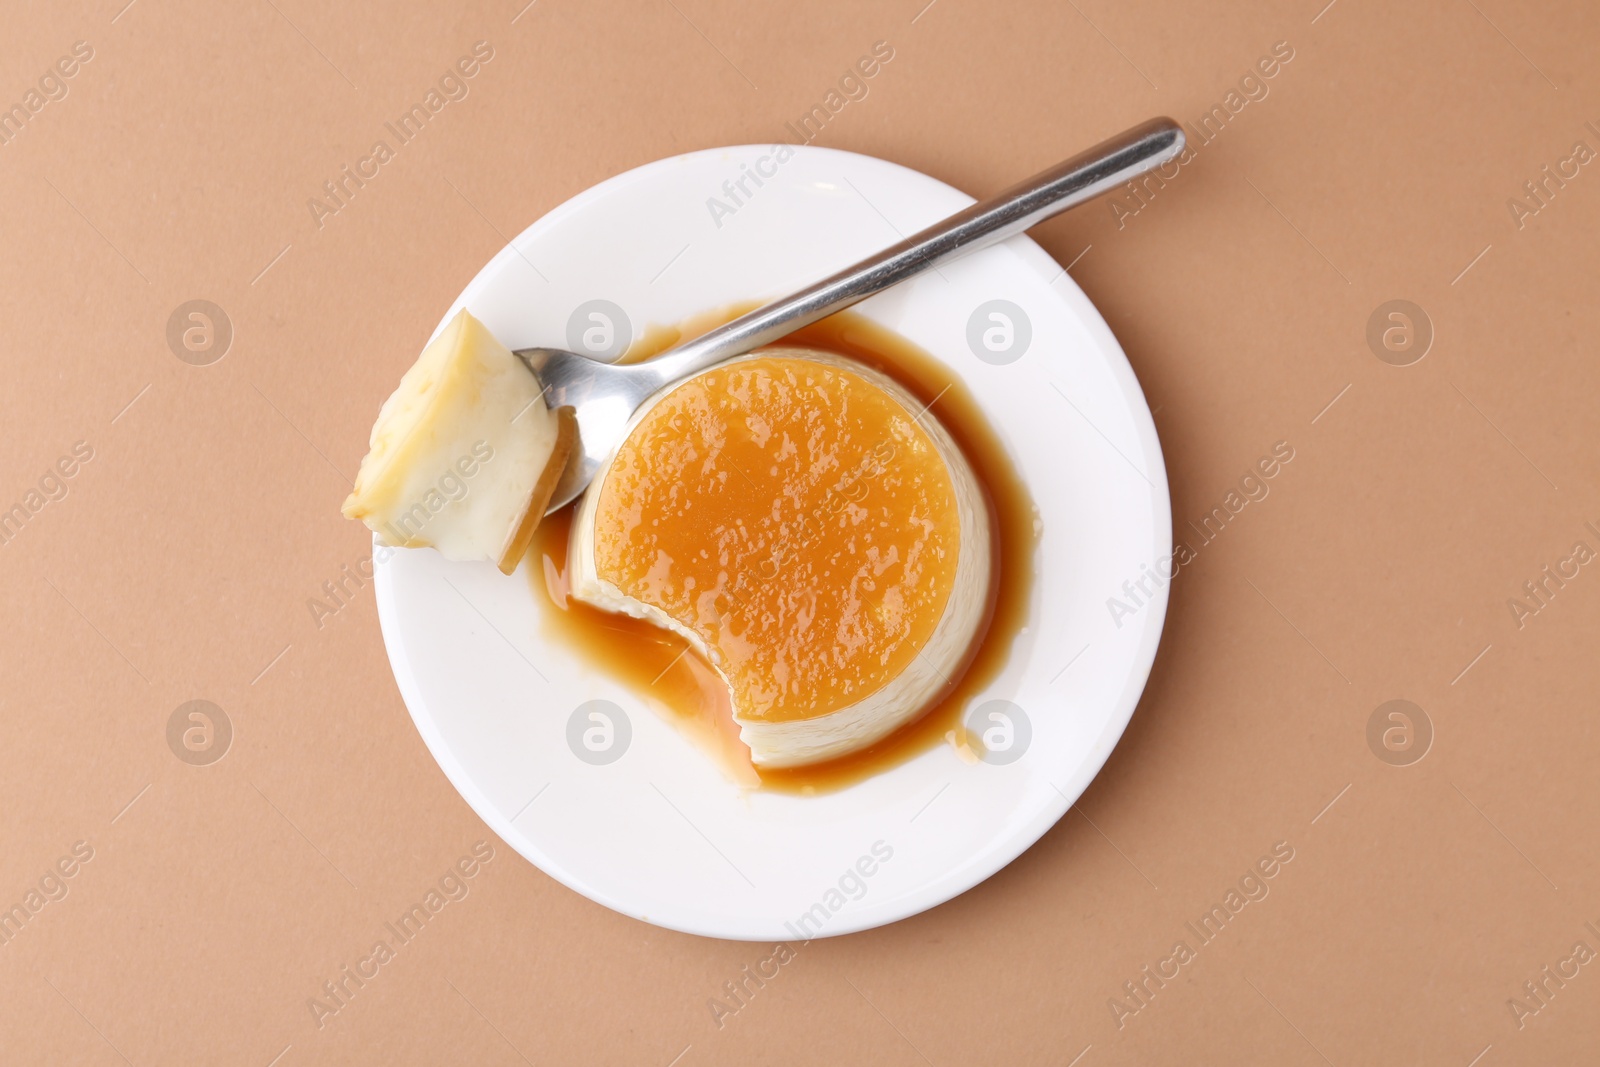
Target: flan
465,453
807,526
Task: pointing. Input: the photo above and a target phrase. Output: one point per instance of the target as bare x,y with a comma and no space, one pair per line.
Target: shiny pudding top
795,516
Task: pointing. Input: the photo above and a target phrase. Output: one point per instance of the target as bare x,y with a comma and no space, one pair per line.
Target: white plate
659,833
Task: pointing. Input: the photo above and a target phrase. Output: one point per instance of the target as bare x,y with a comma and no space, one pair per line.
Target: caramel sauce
677,683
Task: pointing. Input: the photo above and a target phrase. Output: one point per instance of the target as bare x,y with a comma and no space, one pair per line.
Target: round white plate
657,832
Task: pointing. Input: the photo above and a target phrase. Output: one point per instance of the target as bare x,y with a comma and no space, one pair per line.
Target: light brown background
180,564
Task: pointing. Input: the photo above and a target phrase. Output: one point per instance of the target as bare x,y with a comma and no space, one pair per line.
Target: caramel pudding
465,454
673,678
809,527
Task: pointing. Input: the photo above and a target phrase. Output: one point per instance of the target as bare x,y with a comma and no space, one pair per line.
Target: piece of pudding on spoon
465,453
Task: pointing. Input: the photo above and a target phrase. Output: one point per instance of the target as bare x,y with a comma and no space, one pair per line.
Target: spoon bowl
604,397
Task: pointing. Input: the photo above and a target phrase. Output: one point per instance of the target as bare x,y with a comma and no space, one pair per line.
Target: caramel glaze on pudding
810,621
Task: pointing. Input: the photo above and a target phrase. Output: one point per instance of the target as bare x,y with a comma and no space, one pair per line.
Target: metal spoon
605,396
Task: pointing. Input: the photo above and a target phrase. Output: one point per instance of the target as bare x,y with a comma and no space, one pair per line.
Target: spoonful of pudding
471,451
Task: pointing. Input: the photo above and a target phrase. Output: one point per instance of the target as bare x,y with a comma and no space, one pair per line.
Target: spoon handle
1081,178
